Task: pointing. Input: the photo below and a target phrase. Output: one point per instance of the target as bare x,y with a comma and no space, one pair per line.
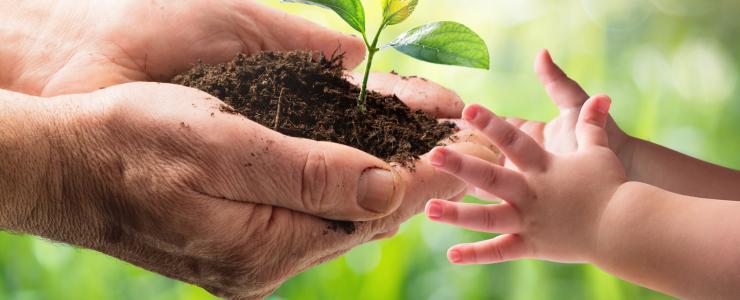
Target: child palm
558,135
552,202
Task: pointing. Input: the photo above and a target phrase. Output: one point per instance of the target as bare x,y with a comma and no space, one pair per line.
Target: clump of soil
303,94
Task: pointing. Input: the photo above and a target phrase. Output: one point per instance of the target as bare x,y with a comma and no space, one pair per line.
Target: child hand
552,202
558,135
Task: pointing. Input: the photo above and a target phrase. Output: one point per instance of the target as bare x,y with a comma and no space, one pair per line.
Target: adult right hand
157,175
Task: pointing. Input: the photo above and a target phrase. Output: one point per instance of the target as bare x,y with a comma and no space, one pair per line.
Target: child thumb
590,129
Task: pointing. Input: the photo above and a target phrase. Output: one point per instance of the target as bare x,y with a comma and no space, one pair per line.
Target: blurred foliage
671,67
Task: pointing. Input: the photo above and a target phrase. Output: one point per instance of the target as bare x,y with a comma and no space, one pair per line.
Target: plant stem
363,90
277,111
372,50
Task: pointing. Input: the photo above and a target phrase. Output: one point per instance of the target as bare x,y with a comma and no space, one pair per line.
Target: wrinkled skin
157,175
71,46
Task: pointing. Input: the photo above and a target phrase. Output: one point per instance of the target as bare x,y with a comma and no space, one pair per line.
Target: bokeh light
671,67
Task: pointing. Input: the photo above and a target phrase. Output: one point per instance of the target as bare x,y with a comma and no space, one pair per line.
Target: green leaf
350,10
447,43
396,11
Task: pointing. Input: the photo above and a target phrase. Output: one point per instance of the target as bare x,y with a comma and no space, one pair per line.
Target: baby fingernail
435,210
603,105
437,157
454,256
470,113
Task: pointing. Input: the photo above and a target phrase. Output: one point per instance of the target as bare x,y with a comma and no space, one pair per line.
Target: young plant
447,43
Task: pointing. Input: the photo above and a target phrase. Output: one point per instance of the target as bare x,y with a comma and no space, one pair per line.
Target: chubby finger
458,197
590,129
536,130
532,128
417,93
483,194
502,248
565,92
504,183
499,218
517,122
419,185
518,147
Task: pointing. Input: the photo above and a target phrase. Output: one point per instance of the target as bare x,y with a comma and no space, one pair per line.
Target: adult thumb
340,182
323,179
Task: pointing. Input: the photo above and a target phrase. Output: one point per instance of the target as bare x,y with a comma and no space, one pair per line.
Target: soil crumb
347,227
304,94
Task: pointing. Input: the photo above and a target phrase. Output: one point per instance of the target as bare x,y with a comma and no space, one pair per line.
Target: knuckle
490,221
314,181
589,120
485,123
455,163
489,178
498,253
509,137
451,213
472,254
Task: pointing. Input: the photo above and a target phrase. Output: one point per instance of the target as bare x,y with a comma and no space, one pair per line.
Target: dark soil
303,94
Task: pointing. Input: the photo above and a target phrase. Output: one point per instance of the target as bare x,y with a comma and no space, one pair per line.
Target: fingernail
435,210
376,190
454,256
470,113
437,157
604,105
547,54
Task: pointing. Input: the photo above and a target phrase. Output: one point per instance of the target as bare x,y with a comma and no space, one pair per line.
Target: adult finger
504,183
565,92
590,129
339,182
281,31
416,92
325,179
518,147
502,248
499,218
156,41
386,235
421,184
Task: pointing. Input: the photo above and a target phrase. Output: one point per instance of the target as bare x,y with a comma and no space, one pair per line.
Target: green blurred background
671,67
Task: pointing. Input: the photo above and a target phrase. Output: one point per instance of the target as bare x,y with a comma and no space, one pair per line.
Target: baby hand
552,203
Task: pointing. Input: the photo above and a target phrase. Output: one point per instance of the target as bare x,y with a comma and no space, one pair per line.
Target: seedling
446,42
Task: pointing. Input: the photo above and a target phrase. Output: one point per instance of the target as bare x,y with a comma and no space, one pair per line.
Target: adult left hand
56,47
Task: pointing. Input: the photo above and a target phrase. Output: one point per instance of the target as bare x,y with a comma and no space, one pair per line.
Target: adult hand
59,47
157,175
75,46
69,46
